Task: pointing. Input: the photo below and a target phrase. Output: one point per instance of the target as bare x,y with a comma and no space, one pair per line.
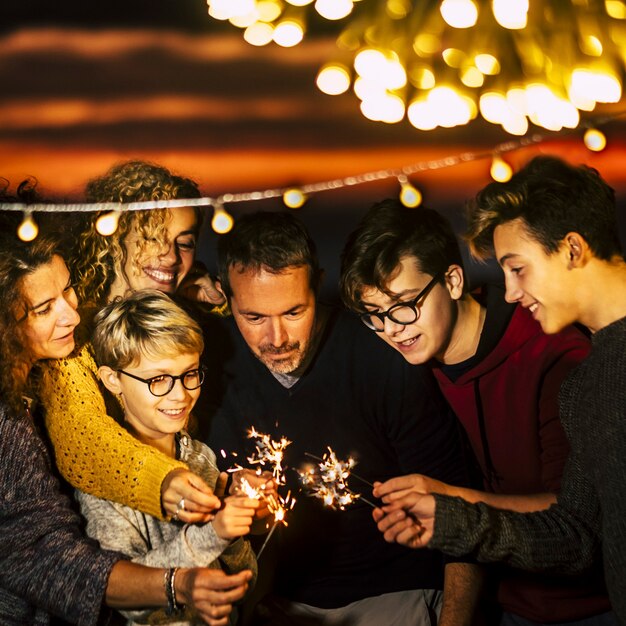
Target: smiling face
159,267
429,336
540,282
275,313
51,318
155,420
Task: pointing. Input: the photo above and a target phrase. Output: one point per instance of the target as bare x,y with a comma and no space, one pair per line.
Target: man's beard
293,360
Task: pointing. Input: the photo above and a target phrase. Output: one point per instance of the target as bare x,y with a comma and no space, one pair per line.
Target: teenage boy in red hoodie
402,272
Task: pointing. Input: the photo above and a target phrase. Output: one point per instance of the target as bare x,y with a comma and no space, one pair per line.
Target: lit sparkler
278,506
269,452
328,481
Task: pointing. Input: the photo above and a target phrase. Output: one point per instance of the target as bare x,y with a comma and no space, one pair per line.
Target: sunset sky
86,84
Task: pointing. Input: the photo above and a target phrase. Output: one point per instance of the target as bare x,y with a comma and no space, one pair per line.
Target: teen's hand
403,485
408,521
235,517
211,593
185,496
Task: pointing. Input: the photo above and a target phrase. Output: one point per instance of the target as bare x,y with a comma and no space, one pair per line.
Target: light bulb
500,170
409,195
333,79
28,229
595,140
222,221
107,223
294,198
459,13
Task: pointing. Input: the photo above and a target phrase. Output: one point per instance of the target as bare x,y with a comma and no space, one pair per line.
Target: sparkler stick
260,552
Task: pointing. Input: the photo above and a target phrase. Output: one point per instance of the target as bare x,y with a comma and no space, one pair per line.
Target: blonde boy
148,351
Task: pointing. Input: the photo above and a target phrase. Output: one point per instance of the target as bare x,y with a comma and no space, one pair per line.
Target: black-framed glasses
162,384
404,313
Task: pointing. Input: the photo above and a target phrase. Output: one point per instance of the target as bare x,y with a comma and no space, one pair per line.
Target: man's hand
210,592
182,487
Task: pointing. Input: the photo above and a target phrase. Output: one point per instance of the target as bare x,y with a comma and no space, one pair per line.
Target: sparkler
269,452
329,481
278,506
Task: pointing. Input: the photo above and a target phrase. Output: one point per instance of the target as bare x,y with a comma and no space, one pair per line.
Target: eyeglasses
164,383
404,313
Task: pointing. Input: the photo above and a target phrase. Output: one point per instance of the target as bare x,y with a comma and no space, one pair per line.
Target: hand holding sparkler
235,517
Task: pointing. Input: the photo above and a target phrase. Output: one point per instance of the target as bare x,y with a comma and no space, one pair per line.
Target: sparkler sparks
328,481
269,452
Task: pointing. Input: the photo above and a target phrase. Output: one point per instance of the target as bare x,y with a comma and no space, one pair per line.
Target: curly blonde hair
95,258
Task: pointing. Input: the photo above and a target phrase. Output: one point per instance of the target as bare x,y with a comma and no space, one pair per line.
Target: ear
576,249
218,286
455,281
110,379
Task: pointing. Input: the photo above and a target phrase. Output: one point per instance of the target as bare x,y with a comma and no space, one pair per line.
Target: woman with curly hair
48,567
150,249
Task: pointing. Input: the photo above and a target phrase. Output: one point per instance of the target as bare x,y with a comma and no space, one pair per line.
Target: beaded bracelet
170,591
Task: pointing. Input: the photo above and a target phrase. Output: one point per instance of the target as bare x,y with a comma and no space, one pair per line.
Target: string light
294,198
409,195
222,221
28,229
500,170
593,139
108,222
443,63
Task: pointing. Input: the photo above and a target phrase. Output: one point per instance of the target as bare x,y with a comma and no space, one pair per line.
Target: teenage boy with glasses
148,351
402,272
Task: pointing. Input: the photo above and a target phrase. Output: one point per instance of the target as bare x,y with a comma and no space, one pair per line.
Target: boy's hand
185,496
263,484
235,517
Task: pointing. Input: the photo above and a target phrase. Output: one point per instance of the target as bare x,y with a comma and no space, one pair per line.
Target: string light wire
218,203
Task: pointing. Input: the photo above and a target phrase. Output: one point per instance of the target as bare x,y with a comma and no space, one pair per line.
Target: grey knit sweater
591,510
47,566
158,543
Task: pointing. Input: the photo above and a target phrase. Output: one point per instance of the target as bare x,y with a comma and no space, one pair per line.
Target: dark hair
93,259
388,232
268,241
18,259
552,198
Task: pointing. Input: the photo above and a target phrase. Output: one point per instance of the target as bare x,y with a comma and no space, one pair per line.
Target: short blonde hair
145,323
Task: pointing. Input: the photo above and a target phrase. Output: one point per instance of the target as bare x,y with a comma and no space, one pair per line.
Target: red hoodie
508,405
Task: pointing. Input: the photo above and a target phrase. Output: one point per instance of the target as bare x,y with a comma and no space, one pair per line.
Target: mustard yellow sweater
93,452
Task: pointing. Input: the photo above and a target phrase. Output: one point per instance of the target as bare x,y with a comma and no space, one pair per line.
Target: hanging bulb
107,223
294,198
409,195
28,229
222,221
595,140
500,171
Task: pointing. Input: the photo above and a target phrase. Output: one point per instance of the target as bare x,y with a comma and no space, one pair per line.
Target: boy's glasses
404,313
162,384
